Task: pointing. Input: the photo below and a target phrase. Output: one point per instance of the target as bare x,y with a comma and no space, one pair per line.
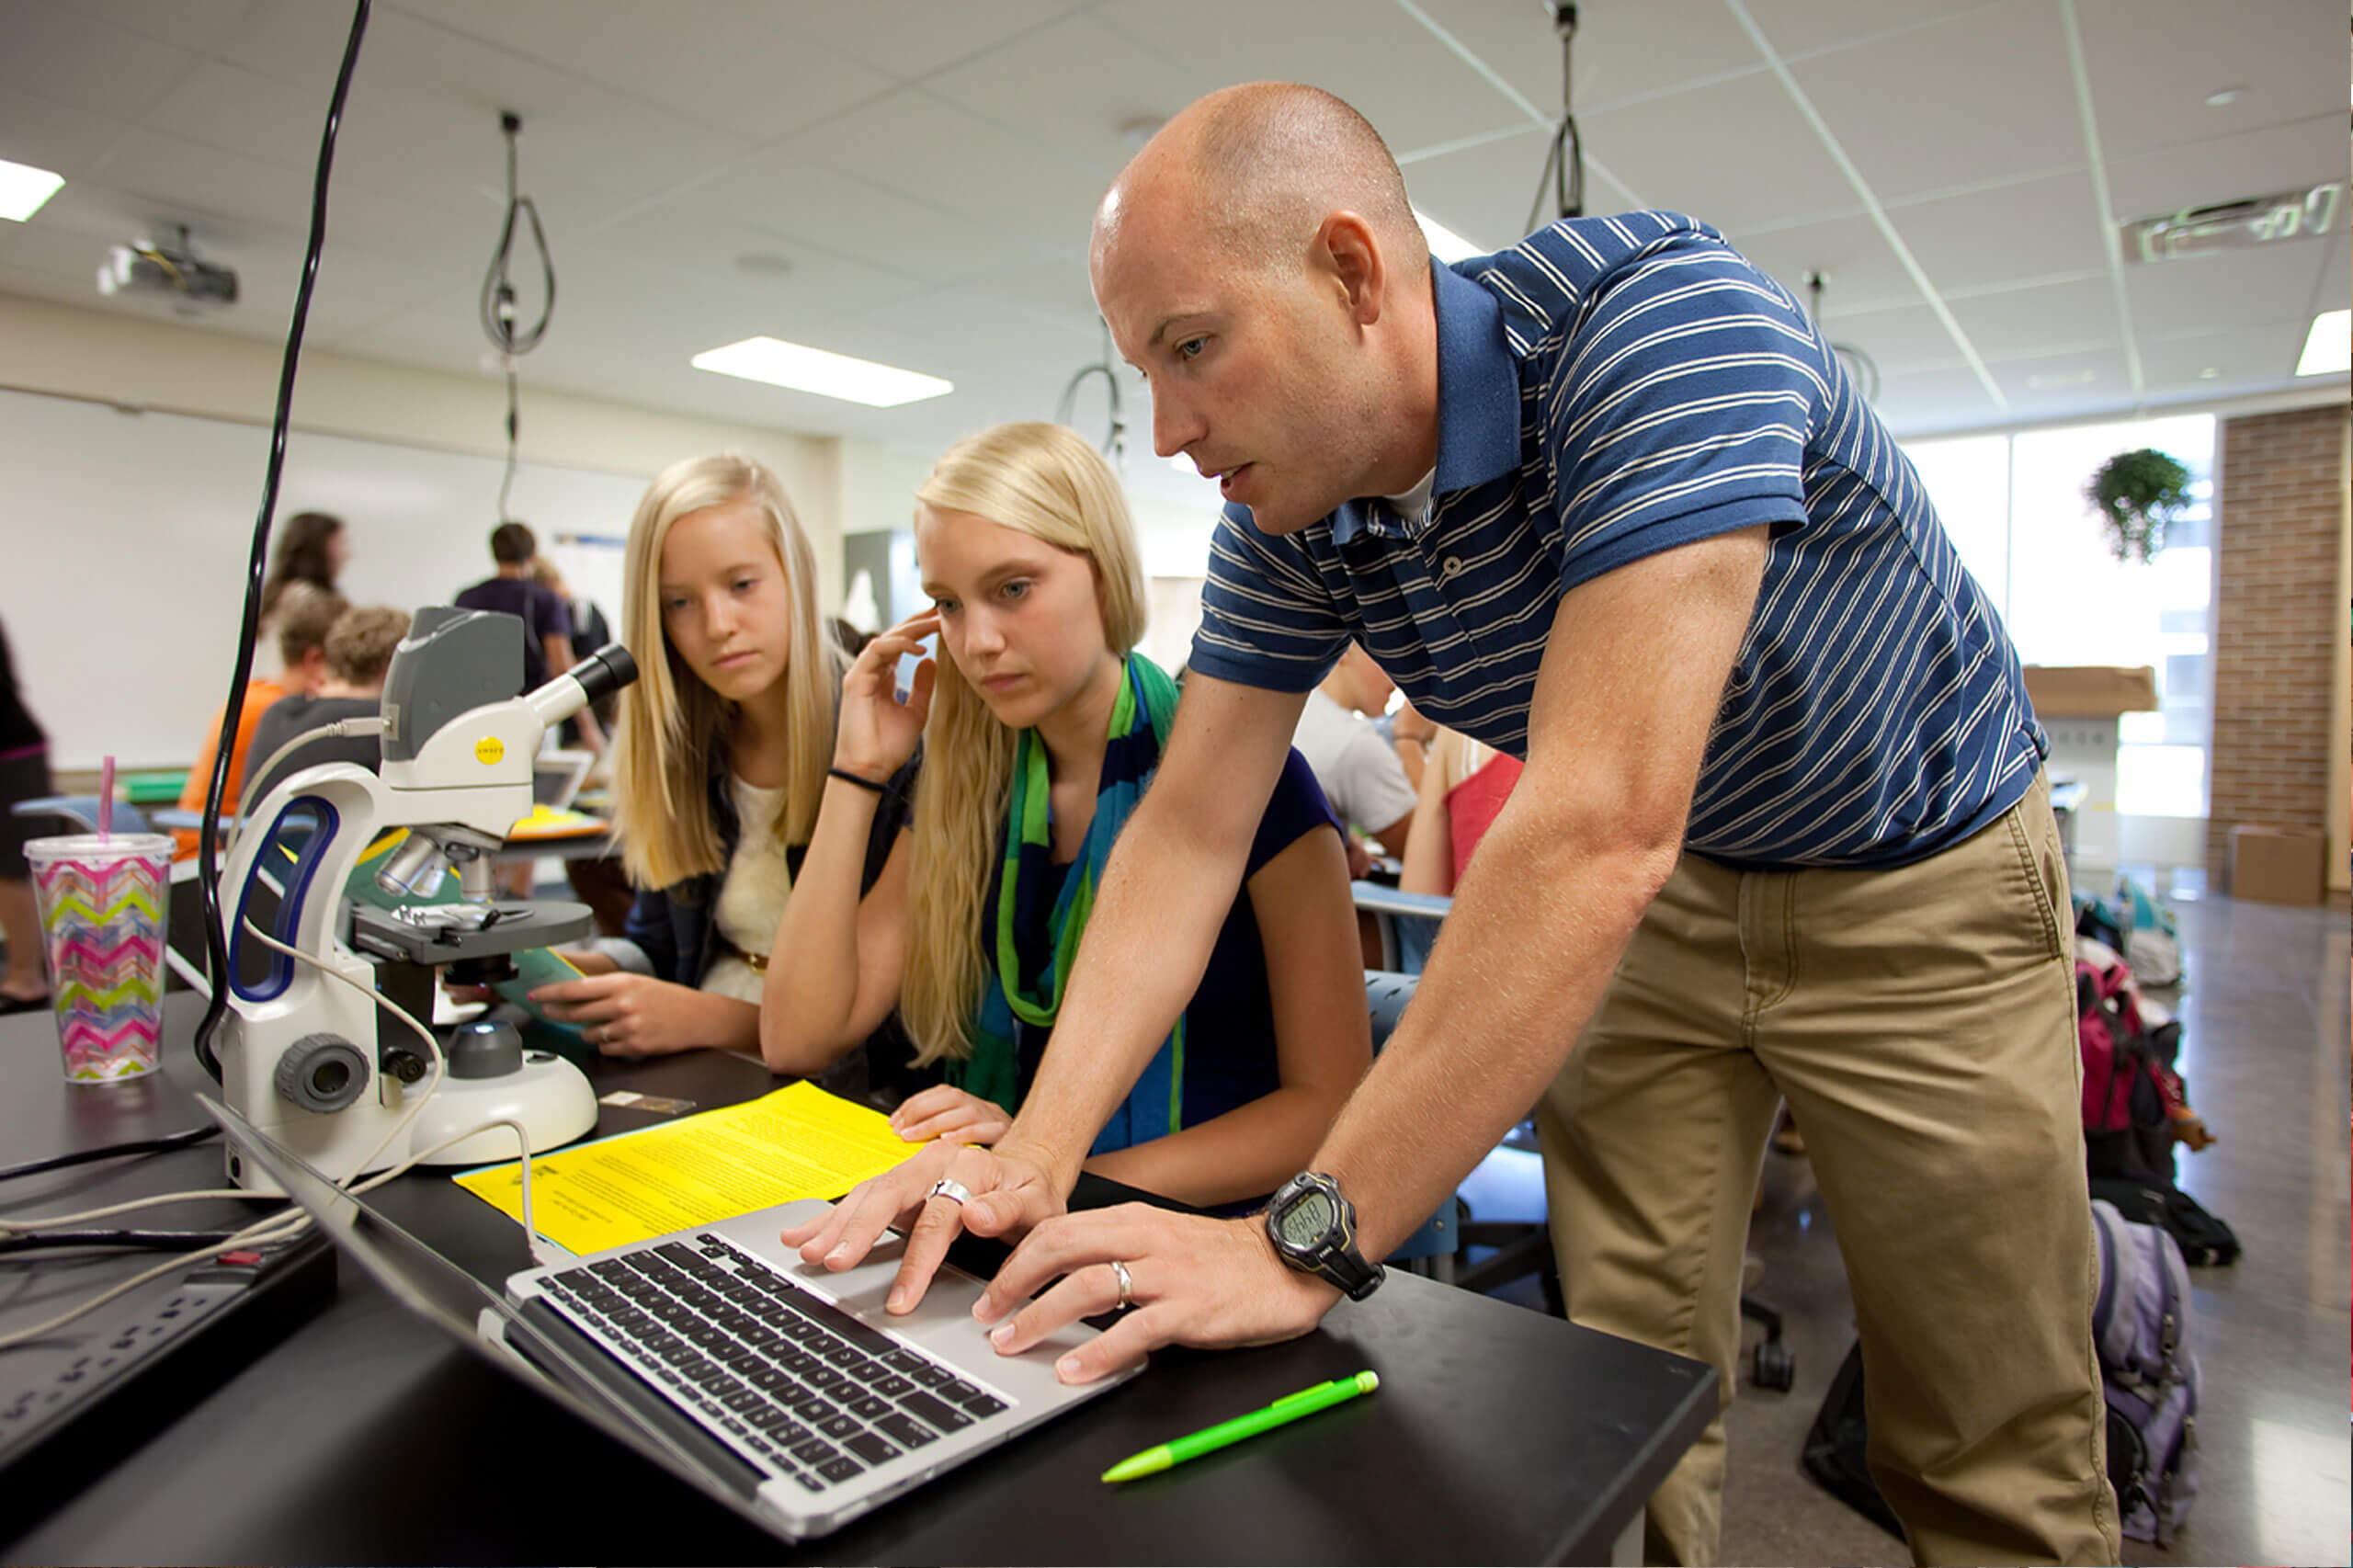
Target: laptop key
812,1482
868,1406
929,1375
910,1434
842,1468
958,1391
845,1357
839,1427
816,1450
893,1386
940,1414
824,1378
871,1447
983,1405
903,1361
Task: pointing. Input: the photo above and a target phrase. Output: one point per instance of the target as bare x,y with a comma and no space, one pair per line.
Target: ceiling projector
167,269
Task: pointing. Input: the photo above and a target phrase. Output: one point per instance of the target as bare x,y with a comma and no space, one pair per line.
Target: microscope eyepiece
606,671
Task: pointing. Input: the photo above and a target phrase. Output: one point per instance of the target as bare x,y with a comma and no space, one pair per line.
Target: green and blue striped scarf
1139,728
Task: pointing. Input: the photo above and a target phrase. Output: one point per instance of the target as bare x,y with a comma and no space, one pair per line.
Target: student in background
1359,768
547,624
720,763
313,548
590,631
1041,727
359,651
305,616
24,776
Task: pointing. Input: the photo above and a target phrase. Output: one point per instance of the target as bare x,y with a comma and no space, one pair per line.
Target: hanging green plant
2138,492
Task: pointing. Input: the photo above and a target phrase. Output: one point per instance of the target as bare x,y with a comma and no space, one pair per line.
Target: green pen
1288,1408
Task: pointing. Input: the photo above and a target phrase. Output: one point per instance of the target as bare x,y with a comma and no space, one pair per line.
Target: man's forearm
1528,949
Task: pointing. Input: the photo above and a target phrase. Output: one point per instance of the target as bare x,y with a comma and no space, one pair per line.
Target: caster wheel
1774,1367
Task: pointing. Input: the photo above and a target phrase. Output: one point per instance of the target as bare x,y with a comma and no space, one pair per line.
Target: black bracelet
847,776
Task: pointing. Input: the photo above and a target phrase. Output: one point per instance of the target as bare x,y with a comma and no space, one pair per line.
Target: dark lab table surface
1498,1435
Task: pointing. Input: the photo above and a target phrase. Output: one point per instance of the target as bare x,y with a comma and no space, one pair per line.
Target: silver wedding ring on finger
956,1192
1127,1285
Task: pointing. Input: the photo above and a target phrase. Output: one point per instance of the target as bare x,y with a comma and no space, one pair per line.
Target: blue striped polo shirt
1614,386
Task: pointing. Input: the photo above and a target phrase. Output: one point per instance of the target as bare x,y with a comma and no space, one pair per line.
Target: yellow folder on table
799,1141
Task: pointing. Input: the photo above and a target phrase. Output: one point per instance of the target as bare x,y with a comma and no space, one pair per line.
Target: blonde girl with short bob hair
1040,726
720,763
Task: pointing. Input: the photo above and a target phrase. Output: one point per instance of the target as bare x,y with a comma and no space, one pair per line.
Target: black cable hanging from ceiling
1115,440
498,317
1860,365
1564,164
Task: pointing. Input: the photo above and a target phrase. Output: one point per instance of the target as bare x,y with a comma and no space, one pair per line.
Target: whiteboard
123,554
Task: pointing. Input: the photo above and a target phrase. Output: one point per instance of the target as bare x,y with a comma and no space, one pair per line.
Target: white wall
123,534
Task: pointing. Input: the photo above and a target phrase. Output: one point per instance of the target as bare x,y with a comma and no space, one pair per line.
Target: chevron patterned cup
102,906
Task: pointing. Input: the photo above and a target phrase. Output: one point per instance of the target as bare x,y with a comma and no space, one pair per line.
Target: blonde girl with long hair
720,763
1041,725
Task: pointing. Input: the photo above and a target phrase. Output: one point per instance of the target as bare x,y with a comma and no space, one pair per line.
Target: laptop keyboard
787,1377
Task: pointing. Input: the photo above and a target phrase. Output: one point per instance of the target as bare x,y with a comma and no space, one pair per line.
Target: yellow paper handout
797,1142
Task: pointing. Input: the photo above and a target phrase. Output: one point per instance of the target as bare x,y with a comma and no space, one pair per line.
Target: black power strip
73,1401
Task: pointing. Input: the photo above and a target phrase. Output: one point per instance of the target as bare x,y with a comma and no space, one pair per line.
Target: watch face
1305,1221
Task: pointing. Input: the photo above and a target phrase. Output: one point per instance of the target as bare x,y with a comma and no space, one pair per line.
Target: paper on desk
797,1142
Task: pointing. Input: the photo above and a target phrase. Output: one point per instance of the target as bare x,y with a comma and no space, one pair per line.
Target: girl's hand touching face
877,732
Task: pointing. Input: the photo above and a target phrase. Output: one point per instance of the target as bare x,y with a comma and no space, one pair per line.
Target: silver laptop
779,1390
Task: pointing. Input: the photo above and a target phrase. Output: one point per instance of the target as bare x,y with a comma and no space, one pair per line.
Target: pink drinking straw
106,798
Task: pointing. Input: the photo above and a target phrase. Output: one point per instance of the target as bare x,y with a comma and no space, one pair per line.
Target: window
2016,509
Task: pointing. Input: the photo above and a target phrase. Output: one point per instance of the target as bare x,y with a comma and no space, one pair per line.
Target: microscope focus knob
322,1072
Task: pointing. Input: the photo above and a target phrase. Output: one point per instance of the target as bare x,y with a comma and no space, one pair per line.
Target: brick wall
2279,614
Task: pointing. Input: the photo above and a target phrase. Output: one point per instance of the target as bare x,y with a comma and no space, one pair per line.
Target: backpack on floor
2143,1327
2204,1239
2152,937
2133,1104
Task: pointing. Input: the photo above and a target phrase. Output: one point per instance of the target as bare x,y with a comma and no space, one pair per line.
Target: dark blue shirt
1229,1056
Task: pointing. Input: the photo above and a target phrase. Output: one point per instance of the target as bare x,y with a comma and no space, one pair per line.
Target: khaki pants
1921,1023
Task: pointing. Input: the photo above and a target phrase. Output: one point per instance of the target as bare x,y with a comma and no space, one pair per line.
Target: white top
1415,504
1360,770
752,899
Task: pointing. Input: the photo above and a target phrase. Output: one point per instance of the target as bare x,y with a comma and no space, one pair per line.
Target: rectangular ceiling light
2329,349
809,369
23,188
1445,243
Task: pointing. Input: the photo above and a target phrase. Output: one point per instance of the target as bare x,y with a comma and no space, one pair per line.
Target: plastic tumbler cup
102,902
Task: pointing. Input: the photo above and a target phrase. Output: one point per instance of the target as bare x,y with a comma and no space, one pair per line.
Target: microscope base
548,1095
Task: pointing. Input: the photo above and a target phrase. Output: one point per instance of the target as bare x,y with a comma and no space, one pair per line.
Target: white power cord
254,776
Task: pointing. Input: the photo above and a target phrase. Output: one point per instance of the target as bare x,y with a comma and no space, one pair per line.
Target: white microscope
314,1062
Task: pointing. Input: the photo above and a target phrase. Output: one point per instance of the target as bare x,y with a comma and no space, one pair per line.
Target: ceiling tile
924,147
1899,341
1922,403
55,136
2050,384
1414,89
782,194
2223,363
196,24
2032,229
2249,163
2153,64
1620,51
1983,97
1673,151
72,55
1859,269
675,283
707,63
2048,319
912,38
1796,27
1073,84
2226,290
244,112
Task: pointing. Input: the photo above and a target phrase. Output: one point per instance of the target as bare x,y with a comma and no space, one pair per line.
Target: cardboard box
2277,865
2090,691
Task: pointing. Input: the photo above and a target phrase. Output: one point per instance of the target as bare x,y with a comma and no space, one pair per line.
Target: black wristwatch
1314,1230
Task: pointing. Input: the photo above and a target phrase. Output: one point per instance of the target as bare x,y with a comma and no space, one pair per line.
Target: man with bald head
1606,501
